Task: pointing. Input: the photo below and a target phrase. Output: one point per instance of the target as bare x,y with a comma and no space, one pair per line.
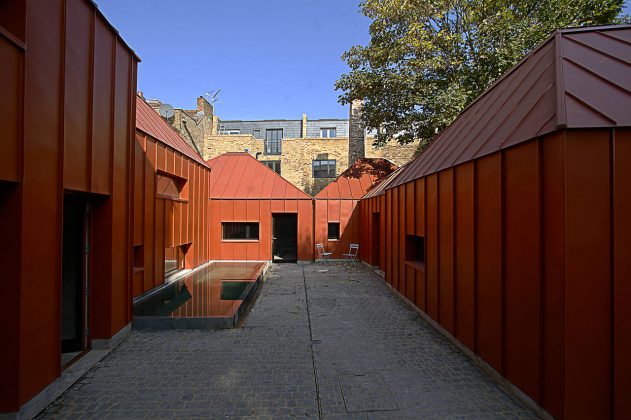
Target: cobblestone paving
333,344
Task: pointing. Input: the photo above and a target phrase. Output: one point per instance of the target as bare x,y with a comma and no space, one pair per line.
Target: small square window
333,231
415,248
324,168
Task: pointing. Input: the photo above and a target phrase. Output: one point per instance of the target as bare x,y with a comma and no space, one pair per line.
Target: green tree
428,59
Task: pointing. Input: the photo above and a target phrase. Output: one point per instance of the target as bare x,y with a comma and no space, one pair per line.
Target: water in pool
217,296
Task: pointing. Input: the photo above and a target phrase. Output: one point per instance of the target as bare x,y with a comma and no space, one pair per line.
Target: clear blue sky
271,59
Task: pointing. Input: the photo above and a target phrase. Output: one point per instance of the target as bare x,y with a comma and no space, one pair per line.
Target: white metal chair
322,254
352,252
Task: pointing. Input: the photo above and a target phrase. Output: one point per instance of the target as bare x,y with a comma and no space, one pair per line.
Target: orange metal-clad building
372,219
336,223
170,229
67,106
512,230
255,214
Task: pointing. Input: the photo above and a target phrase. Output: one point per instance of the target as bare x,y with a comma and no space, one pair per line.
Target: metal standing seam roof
238,175
381,188
577,78
150,122
357,180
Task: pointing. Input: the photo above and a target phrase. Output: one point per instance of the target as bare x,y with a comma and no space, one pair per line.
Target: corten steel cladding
68,109
166,221
243,189
523,203
337,203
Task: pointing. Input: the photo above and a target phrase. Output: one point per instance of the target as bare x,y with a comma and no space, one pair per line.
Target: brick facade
301,144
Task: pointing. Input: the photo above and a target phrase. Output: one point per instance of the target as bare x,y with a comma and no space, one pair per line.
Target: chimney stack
304,126
356,133
204,106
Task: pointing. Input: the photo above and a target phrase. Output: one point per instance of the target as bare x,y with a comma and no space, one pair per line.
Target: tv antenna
213,97
166,111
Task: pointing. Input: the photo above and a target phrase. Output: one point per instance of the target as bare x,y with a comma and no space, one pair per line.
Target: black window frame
273,143
248,231
336,231
330,171
272,164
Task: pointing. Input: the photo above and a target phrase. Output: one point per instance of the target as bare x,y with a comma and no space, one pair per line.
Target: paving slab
321,342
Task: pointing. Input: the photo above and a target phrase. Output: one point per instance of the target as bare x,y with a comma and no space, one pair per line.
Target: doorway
376,240
74,277
284,237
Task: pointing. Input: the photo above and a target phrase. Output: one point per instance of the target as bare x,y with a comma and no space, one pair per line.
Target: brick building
308,153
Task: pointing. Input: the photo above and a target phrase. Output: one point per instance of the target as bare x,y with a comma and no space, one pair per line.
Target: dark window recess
415,248
240,230
273,141
324,168
139,256
274,165
328,133
168,187
334,230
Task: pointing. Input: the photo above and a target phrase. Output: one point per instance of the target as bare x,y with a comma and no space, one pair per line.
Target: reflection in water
215,291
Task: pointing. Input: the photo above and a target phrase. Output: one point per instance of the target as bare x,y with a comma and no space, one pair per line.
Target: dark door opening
284,237
74,271
376,241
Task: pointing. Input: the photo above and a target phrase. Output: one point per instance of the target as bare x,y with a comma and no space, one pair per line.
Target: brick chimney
356,133
204,106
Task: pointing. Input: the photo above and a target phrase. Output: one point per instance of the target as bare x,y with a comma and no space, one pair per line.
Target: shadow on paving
374,358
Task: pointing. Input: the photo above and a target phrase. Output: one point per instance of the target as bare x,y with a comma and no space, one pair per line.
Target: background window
334,231
274,165
415,248
273,141
324,168
327,133
240,230
256,134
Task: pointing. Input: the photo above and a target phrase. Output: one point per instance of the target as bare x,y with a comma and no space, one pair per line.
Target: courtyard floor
332,344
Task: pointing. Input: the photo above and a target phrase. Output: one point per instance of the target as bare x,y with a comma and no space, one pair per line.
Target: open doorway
74,277
284,237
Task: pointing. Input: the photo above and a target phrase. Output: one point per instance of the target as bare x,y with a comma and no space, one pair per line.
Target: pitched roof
577,78
239,175
149,122
381,188
357,180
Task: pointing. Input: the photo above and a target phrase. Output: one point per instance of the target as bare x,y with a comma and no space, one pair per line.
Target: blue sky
270,58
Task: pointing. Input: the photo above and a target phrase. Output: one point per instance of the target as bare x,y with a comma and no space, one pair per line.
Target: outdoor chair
322,254
352,253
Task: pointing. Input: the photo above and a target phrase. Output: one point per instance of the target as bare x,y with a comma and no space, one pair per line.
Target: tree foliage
428,59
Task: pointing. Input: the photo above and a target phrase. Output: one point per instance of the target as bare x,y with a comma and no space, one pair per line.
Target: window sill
241,240
417,265
332,240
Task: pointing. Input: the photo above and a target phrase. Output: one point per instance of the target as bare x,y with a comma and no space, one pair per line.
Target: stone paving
317,344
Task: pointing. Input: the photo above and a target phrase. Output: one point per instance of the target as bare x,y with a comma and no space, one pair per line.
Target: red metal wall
235,210
68,118
162,222
527,263
343,211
